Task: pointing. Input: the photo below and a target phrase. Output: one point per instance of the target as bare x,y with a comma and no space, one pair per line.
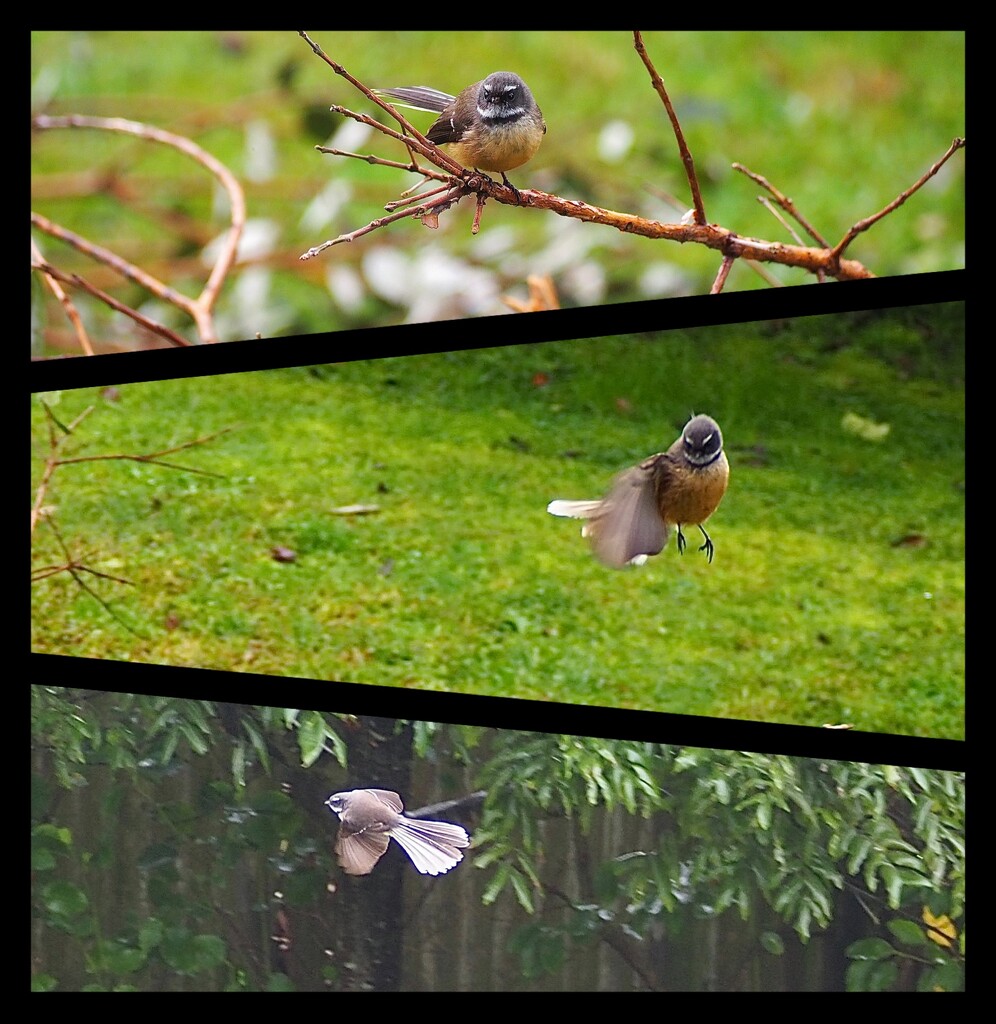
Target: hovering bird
680,487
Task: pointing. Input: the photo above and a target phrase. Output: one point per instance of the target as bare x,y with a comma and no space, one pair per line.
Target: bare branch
199,309
415,138
155,458
686,156
67,303
724,271
81,282
74,568
821,260
380,161
423,210
785,203
864,225
59,435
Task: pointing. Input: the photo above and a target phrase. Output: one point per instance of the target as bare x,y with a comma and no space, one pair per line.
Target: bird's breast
692,495
501,147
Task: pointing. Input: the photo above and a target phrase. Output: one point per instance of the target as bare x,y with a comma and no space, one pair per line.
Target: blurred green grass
840,121
836,594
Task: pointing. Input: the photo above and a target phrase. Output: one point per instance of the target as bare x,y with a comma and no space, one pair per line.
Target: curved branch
198,309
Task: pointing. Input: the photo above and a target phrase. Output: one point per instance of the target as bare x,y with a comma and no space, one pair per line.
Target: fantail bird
370,818
493,125
680,487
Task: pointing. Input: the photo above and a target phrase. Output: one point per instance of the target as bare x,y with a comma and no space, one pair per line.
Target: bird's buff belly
502,155
696,504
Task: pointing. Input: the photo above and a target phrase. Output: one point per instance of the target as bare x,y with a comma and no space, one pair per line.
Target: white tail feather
573,509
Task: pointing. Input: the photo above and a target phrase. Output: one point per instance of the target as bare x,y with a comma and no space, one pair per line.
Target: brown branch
154,458
423,211
200,309
81,282
785,203
74,568
46,571
370,158
686,156
426,148
820,260
415,138
72,313
398,204
724,271
864,225
710,235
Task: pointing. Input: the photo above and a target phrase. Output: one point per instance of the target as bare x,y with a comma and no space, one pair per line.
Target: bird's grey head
503,95
336,802
702,440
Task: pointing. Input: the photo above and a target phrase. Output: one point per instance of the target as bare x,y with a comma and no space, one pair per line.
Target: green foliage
732,830
664,837
145,739
543,775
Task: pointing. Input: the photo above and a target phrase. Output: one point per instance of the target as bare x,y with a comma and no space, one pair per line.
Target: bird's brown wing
629,522
358,852
446,128
389,797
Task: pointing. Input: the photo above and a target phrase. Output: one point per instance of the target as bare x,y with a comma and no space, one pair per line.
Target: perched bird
679,487
493,125
370,818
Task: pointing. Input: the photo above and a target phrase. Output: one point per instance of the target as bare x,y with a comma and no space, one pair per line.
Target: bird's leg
708,546
518,197
681,541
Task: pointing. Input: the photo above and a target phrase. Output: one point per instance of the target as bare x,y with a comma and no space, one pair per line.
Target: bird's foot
708,547
518,195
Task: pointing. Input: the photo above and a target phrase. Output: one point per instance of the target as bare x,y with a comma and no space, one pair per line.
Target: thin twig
65,301
154,457
416,139
785,203
724,270
686,155
73,568
767,204
864,225
81,282
423,210
59,434
371,158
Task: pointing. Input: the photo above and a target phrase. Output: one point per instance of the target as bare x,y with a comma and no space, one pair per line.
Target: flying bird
680,487
370,818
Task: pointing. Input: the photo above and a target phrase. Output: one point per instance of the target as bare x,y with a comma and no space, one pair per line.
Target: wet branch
822,259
